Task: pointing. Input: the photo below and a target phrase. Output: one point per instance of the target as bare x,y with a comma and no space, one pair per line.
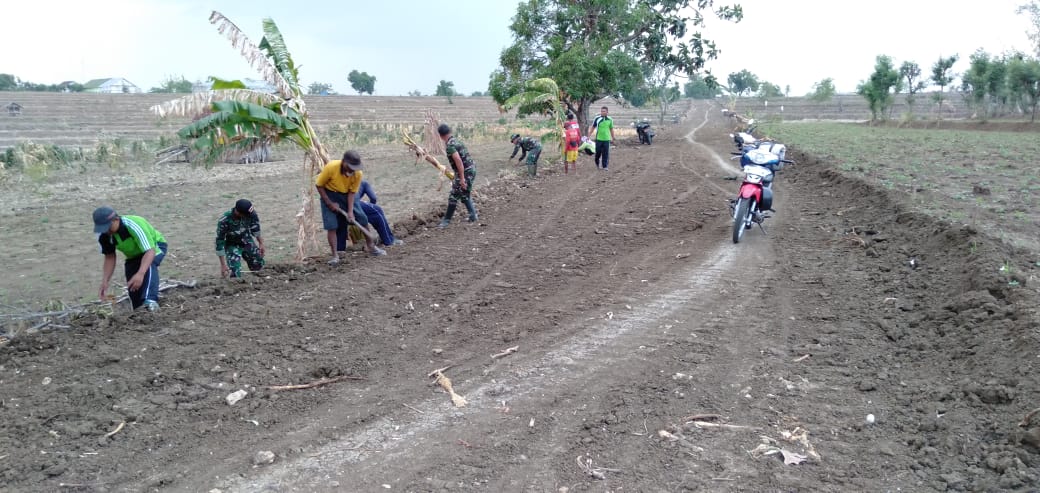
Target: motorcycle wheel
649,139
740,218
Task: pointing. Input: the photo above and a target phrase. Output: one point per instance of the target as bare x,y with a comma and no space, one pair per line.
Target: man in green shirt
602,131
144,248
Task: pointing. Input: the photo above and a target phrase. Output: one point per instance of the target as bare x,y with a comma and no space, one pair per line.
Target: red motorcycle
759,161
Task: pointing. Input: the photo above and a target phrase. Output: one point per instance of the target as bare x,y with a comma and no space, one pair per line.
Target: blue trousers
377,218
149,290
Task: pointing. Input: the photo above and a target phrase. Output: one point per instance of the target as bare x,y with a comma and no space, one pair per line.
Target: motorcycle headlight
751,178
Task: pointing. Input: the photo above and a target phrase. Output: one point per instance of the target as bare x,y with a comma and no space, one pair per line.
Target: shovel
365,231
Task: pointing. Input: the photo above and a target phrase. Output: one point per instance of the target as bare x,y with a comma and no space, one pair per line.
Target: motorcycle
646,134
759,161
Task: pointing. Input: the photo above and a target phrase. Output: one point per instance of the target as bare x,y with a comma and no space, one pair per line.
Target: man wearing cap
531,148
144,248
338,184
465,168
238,237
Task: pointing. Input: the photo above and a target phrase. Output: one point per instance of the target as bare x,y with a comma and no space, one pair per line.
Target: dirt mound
637,321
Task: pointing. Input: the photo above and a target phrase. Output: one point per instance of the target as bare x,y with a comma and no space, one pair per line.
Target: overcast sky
411,44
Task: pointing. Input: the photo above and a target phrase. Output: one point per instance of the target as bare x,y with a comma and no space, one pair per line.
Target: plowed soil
653,354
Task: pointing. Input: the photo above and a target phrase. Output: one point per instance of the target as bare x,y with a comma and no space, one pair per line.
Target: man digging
238,237
144,248
338,184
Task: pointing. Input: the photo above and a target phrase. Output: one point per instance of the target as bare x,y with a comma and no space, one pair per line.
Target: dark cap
443,129
352,160
103,217
514,137
244,207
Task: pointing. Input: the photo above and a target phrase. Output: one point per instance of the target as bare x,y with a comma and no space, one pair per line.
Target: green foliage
173,84
877,90
700,88
319,88
822,91
445,88
8,82
416,93
1023,77
595,49
942,77
769,90
476,94
743,82
1032,9
362,82
910,75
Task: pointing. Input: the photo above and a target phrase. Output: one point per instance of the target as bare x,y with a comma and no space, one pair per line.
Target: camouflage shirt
526,144
454,145
232,231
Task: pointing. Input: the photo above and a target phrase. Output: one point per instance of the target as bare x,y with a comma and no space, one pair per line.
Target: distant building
115,85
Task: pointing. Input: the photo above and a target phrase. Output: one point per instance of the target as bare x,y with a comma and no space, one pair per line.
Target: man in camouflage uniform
531,148
238,237
465,172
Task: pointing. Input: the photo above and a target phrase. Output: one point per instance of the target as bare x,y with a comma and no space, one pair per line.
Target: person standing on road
338,184
144,248
602,131
238,237
465,172
532,150
571,141
375,214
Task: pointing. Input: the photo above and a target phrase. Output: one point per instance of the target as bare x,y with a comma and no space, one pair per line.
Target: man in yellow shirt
338,184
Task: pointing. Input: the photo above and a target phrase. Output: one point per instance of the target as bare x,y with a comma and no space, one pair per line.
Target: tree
362,82
1033,10
8,82
476,94
742,82
697,88
942,77
822,91
769,90
445,88
1023,77
415,93
910,73
544,94
319,88
877,90
173,85
239,118
595,48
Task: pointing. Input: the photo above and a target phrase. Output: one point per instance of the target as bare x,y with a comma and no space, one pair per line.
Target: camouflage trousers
457,193
247,250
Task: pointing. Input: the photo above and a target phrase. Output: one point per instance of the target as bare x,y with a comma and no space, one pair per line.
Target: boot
472,210
447,215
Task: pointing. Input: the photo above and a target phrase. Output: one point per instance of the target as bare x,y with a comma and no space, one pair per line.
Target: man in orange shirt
338,184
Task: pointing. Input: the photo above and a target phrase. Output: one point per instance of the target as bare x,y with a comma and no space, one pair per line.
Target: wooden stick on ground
702,417
445,383
316,383
505,353
1029,417
118,428
440,370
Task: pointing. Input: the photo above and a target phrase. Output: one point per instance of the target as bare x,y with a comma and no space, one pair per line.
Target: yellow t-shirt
332,179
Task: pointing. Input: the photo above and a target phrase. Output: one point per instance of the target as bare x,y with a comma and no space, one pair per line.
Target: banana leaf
274,45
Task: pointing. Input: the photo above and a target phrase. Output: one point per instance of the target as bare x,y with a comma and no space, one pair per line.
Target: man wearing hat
531,148
460,160
338,184
144,248
238,237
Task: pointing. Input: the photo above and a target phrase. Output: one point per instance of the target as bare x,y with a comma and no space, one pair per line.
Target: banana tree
546,94
232,117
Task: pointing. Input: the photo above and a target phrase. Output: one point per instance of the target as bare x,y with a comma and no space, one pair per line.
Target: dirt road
653,354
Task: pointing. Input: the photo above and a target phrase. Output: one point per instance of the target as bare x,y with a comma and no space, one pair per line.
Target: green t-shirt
134,237
603,124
